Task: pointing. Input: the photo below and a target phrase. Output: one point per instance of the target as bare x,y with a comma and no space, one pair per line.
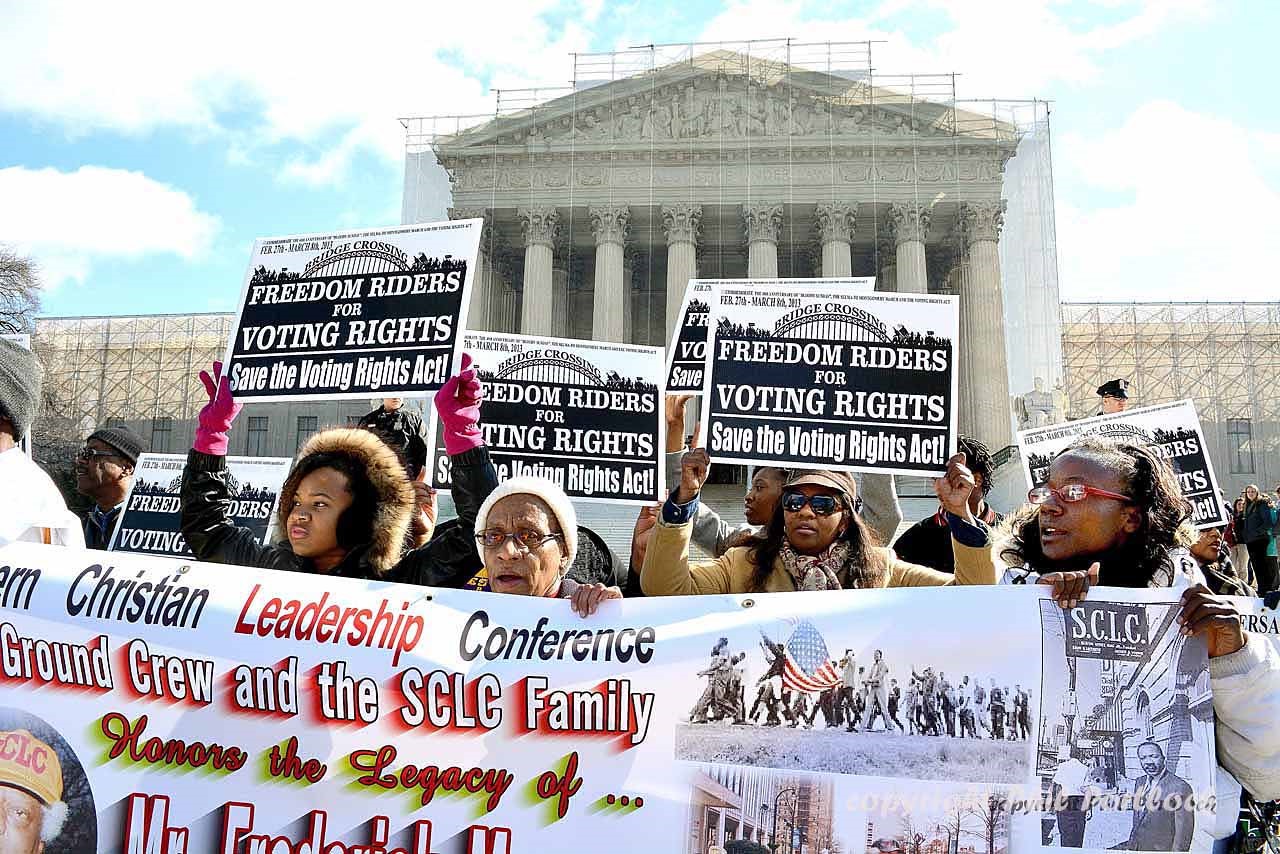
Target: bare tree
988,814
19,291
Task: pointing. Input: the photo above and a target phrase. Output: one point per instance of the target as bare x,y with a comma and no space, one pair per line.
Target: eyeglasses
87,453
1071,493
823,505
527,538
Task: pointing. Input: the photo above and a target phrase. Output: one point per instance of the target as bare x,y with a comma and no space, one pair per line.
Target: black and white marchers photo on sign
353,314
1173,428
586,414
1126,751
687,353
152,519
811,376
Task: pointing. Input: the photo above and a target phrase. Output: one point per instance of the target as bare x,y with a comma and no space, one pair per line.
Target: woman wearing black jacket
347,504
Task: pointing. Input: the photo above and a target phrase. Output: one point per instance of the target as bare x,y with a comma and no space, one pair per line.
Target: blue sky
143,148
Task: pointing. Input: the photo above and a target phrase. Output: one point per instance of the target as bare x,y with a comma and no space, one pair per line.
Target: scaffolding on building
101,370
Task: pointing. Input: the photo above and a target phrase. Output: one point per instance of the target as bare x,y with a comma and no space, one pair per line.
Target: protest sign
687,354
808,376
1172,428
151,522
205,707
353,314
586,414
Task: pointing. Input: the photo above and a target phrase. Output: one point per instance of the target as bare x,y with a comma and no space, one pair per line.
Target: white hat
549,492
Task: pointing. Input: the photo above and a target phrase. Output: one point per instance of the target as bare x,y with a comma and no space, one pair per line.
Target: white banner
151,522
1172,428
199,707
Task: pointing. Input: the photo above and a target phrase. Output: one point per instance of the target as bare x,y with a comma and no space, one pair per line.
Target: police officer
1115,396
402,429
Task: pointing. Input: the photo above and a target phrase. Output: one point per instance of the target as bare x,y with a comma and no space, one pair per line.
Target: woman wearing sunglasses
813,541
1114,514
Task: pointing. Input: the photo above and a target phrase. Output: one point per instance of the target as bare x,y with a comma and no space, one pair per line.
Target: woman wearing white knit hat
527,536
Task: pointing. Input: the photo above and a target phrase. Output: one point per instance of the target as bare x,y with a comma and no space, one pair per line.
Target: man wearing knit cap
32,811
104,472
31,508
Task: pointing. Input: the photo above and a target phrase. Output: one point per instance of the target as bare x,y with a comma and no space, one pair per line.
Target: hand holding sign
458,402
674,410
1069,588
1215,617
216,416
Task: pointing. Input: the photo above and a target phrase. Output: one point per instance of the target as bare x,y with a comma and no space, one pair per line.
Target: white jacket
31,508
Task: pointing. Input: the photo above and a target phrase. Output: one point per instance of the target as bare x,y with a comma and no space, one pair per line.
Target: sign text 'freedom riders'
586,414
354,314
810,376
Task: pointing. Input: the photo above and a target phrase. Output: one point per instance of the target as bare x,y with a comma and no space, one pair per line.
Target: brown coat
669,572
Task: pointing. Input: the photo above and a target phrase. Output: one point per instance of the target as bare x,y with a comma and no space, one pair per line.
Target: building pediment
723,96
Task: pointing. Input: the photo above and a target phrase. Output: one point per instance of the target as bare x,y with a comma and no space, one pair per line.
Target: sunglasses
90,453
1071,493
823,505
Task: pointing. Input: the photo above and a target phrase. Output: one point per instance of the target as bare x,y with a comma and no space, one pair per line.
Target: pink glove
216,416
458,402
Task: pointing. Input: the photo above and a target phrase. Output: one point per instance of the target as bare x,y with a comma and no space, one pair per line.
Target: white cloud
68,221
301,71
1195,217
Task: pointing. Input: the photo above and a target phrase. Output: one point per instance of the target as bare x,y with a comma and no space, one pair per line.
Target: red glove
216,416
458,402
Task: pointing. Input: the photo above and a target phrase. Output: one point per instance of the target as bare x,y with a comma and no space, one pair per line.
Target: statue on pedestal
1035,408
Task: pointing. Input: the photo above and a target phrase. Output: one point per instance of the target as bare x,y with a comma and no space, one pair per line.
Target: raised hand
643,532
216,416
954,488
695,466
458,402
674,410
425,503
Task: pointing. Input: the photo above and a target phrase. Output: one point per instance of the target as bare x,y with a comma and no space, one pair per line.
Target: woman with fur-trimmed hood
345,508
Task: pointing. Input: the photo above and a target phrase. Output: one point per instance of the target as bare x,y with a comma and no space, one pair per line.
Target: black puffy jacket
212,536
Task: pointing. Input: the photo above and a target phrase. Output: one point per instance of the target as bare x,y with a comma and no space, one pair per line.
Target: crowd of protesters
1111,513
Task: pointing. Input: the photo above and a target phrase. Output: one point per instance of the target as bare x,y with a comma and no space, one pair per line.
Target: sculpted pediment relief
689,103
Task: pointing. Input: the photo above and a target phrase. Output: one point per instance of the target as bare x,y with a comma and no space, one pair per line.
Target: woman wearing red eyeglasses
1114,514
813,541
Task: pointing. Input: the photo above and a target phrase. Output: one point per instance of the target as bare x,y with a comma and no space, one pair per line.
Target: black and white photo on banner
811,376
1173,428
687,350
586,414
151,522
852,692
353,315
1127,746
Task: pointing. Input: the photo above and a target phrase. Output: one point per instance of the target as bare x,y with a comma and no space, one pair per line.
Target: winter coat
595,562
404,430
669,572
1255,523
928,542
212,536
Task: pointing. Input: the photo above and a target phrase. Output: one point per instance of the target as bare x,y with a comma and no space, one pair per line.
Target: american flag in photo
808,667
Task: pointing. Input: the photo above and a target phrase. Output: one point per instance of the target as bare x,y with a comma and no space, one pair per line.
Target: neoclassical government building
600,204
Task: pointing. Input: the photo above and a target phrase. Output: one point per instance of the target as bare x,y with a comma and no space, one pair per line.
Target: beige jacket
669,572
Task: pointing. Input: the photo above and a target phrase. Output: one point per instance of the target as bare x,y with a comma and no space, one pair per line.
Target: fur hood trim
390,483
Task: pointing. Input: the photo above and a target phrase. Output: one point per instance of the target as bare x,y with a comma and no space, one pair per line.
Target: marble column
887,275
541,228
680,222
763,223
478,316
909,224
835,223
628,293
560,292
956,282
612,290
982,325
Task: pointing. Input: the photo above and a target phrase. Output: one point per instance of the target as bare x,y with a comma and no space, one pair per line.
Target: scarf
816,572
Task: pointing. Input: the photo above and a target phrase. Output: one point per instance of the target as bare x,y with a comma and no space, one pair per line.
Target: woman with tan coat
814,541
